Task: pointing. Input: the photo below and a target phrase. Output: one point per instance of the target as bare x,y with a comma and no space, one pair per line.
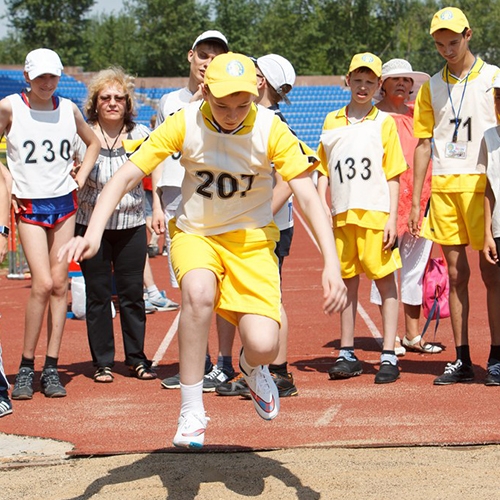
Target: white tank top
476,112
40,149
493,173
228,180
355,154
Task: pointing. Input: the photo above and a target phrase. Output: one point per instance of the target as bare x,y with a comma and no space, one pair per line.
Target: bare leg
348,315
459,274
389,293
491,279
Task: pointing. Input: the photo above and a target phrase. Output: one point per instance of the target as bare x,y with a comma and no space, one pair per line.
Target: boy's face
363,83
452,46
229,111
201,57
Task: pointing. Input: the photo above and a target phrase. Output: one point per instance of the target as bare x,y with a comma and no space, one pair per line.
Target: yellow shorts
244,264
455,219
356,247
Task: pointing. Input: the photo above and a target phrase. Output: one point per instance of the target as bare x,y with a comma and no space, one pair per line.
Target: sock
245,367
494,353
463,353
347,353
192,398
389,356
153,292
50,362
27,363
208,364
281,369
225,363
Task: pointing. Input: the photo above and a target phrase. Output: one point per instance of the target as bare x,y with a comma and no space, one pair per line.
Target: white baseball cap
277,70
211,35
42,61
401,68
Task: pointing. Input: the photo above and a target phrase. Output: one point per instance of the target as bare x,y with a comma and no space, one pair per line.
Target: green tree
56,24
167,29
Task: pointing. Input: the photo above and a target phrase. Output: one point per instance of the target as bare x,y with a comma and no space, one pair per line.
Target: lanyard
457,115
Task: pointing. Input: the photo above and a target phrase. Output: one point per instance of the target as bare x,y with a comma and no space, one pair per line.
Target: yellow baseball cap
366,60
229,73
449,18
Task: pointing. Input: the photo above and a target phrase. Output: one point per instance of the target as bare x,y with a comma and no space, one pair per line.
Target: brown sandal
103,375
142,371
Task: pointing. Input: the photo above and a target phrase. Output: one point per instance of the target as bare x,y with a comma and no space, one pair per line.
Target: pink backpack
436,291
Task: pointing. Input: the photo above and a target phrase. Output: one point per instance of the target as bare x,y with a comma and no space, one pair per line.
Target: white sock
153,292
192,398
247,369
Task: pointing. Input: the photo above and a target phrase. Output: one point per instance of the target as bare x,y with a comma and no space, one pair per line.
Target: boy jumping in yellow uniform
362,158
223,237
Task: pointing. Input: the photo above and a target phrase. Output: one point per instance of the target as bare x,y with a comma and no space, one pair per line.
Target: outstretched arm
334,290
80,248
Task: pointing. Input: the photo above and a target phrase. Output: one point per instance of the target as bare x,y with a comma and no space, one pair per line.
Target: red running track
130,415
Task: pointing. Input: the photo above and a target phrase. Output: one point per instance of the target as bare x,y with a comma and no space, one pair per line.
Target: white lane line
162,349
328,416
364,315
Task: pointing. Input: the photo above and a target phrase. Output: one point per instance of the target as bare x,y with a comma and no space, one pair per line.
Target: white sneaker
190,430
264,392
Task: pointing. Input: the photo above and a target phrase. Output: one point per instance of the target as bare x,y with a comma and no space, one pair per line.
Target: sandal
417,346
142,371
399,350
103,375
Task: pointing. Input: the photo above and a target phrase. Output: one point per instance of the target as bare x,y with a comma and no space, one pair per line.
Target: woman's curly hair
114,75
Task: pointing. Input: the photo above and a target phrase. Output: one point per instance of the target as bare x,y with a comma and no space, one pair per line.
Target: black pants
122,252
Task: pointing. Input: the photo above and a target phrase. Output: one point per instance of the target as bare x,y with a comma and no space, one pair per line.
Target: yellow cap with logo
366,60
229,73
449,18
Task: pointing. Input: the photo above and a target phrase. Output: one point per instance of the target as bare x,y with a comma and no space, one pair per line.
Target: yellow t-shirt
359,158
228,180
434,117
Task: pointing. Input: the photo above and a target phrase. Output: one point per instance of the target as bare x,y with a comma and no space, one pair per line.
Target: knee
459,276
42,288
198,298
263,350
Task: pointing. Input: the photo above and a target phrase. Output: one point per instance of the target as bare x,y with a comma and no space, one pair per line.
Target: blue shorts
48,212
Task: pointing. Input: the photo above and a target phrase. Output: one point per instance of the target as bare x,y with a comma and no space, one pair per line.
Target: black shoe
236,387
493,377
23,386
344,368
51,385
454,373
387,373
286,387
173,382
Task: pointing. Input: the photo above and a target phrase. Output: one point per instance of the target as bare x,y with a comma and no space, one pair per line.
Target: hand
390,234
490,250
76,249
4,247
334,291
413,222
17,206
198,95
158,221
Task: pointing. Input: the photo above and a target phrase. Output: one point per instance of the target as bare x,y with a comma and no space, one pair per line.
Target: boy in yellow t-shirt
452,112
362,160
223,237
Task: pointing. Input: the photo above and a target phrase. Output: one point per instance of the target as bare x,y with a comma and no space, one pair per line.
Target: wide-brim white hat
401,68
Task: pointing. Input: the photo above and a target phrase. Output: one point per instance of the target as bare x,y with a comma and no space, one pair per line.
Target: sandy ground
326,473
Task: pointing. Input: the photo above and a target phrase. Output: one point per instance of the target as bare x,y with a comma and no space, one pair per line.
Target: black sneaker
51,385
387,373
344,368
215,378
236,387
23,386
5,406
454,373
286,387
173,382
493,377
